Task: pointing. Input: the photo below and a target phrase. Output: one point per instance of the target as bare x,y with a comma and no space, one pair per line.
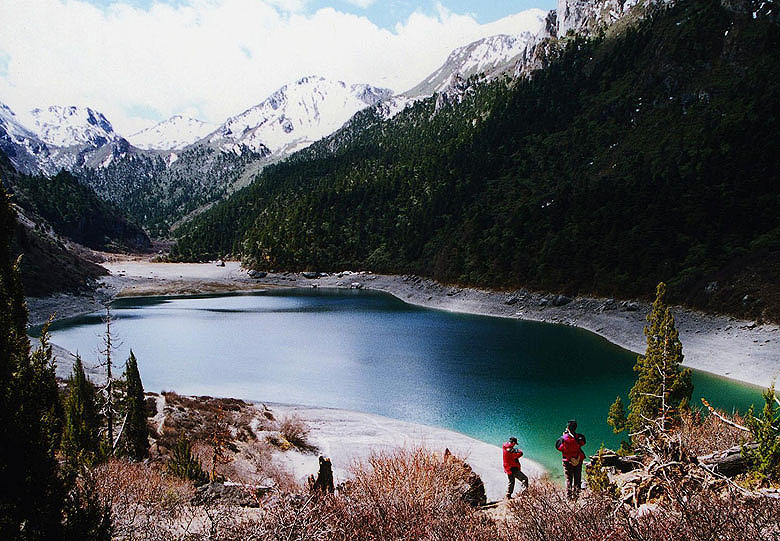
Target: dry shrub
296,431
400,495
543,513
144,503
706,514
702,434
409,494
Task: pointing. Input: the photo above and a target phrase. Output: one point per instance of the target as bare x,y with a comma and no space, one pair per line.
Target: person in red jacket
570,445
512,466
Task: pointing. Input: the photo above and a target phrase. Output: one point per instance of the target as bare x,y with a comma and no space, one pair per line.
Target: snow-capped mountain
173,134
72,126
484,56
48,140
296,115
20,144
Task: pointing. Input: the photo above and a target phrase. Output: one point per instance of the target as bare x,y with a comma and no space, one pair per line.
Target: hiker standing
570,445
512,466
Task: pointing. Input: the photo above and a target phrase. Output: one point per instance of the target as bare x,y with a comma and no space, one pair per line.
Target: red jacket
570,446
511,457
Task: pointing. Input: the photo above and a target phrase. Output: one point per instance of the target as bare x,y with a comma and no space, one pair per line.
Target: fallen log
729,462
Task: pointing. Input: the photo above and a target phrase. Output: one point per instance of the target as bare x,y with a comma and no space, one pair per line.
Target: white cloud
361,3
216,57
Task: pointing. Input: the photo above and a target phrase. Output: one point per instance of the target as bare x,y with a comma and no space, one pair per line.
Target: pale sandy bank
349,436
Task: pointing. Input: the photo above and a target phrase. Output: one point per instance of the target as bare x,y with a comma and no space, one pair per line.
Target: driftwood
729,462
611,459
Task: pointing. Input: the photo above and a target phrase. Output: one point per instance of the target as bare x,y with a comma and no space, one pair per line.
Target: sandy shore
349,436
740,350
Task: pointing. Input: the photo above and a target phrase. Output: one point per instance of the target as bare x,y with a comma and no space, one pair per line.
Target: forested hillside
58,207
648,155
156,195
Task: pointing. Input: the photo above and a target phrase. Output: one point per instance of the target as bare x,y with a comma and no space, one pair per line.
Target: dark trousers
516,474
573,479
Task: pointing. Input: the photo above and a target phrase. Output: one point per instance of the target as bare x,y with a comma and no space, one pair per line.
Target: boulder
560,300
310,275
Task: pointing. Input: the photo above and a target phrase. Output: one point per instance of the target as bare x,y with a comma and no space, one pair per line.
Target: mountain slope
72,210
71,126
484,56
159,190
21,145
296,115
176,133
635,158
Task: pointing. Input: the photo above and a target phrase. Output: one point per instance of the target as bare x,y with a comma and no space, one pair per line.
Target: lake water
486,377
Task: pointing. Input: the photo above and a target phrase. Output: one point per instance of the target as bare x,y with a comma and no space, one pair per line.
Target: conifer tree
81,439
31,492
662,387
136,432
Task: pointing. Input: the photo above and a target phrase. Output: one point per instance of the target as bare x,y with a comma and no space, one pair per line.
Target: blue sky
387,13
142,61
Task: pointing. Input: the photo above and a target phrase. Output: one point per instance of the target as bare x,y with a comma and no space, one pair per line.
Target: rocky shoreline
742,350
721,345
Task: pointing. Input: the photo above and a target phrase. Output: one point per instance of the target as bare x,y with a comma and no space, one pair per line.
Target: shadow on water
483,376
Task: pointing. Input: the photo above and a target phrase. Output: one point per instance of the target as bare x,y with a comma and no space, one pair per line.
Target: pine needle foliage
136,434
764,459
81,438
185,465
31,492
662,388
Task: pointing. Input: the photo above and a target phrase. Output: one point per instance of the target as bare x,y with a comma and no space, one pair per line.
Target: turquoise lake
486,377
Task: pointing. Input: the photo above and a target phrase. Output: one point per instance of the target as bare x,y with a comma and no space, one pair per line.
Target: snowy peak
173,134
21,145
10,124
72,126
485,56
296,115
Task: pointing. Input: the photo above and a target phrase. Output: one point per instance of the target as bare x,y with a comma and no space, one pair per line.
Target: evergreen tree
81,440
764,460
136,432
616,418
31,493
184,464
662,387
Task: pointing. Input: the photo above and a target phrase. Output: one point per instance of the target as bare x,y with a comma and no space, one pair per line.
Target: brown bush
144,503
544,513
704,434
407,495
295,430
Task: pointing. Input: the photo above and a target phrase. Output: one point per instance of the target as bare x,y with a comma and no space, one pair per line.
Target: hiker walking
512,466
570,445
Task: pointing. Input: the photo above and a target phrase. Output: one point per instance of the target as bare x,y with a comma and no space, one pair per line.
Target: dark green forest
647,156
